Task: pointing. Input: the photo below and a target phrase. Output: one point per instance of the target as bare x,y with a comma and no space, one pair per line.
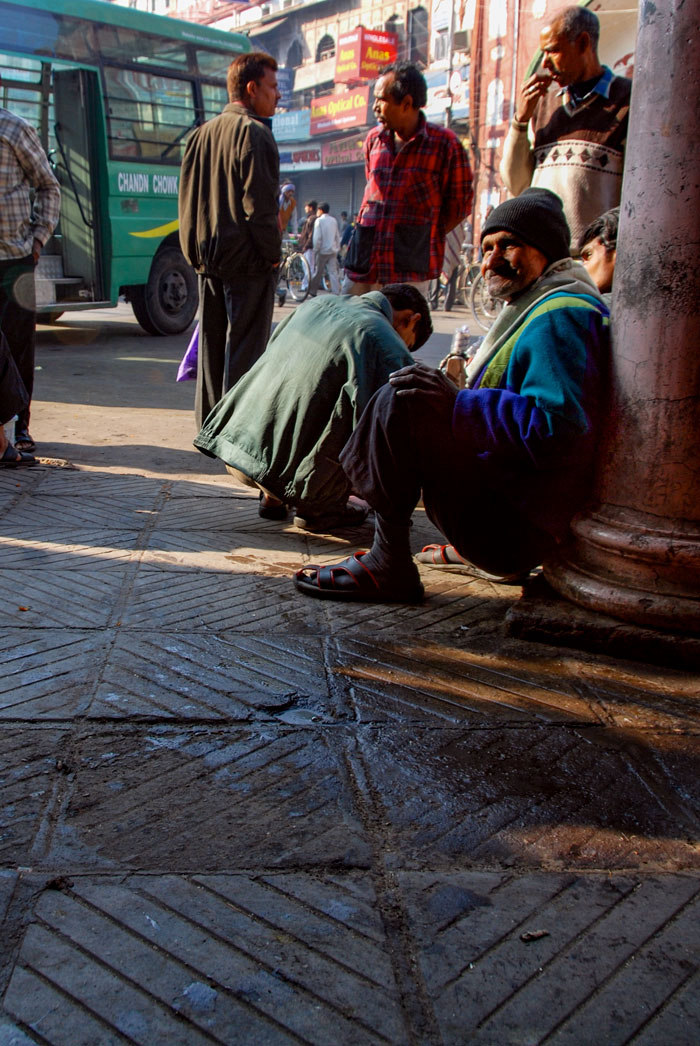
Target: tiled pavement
231,814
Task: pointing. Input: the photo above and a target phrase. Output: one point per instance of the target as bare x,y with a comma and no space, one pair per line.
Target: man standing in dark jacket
230,228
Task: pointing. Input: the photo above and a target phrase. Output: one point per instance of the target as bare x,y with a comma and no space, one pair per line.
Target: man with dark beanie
504,464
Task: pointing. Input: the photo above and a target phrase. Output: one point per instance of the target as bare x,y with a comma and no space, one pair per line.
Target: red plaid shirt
412,196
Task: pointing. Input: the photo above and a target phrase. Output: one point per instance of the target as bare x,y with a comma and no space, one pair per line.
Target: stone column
636,555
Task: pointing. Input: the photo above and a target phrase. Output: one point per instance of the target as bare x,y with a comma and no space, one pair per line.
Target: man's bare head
570,46
252,81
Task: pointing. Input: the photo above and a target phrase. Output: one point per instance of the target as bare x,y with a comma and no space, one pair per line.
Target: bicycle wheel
484,308
298,276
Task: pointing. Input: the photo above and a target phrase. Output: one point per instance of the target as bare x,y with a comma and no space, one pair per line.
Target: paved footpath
231,814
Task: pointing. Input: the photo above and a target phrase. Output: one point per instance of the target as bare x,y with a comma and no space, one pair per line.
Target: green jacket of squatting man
286,421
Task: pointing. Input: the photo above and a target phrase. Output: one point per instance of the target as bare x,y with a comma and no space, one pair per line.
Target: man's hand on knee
419,379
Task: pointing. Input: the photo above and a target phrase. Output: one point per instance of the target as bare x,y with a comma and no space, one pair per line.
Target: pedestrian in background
230,227
326,241
419,186
25,226
306,245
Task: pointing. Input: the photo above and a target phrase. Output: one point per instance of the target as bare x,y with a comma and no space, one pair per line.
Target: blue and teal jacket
531,413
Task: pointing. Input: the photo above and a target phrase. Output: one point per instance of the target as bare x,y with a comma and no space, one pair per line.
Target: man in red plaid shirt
419,186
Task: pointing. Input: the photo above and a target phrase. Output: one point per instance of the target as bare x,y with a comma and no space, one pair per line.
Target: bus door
75,93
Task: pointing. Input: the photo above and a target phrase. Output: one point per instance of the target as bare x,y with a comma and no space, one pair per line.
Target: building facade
474,53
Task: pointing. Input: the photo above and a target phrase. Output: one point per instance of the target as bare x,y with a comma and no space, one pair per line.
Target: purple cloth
188,368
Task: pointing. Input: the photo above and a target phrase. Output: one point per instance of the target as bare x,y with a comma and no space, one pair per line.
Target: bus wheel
168,302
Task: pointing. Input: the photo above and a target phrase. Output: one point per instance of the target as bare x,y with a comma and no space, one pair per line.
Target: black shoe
272,511
349,516
24,442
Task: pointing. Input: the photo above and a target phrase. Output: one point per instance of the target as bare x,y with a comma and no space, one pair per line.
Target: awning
267,28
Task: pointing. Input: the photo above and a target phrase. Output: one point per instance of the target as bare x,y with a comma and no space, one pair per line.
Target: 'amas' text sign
363,53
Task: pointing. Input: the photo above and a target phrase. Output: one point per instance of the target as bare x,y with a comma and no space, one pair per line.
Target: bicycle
294,274
485,308
455,290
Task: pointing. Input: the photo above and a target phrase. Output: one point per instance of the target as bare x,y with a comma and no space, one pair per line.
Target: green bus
113,93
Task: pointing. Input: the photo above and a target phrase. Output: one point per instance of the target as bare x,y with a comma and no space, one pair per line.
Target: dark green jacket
286,421
228,207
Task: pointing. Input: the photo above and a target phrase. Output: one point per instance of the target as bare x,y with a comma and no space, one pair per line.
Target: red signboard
339,112
362,53
343,151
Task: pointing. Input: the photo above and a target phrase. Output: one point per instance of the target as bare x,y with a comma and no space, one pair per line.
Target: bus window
126,45
148,116
215,98
24,101
213,64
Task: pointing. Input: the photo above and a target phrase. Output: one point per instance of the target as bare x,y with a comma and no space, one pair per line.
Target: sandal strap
325,575
437,553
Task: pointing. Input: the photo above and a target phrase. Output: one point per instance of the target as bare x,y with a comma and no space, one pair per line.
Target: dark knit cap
537,217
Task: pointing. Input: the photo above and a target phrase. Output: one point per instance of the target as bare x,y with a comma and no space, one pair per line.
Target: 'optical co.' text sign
342,151
362,53
339,112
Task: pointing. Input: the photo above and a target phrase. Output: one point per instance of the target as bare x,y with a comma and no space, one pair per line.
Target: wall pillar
636,555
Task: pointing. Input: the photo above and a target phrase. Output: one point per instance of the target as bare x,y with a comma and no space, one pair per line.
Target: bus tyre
168,302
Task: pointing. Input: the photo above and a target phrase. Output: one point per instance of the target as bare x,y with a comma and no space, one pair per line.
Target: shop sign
285,85
338,112
307,76
459,88
301,159
438,95
442,96
362,53
343,151
293,126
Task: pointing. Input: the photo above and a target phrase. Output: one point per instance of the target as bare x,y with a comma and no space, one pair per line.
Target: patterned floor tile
98,483
130,512
198,601
209,799
544,796
554,958
410,679
215,486
211,677
224,959
235,552
49,673
32,764
69,597
46,547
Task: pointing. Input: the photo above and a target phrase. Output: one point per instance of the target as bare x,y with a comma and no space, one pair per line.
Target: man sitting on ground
283,425
598,250
505,463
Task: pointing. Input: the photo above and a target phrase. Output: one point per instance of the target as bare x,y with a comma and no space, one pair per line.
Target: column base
544,616
634,567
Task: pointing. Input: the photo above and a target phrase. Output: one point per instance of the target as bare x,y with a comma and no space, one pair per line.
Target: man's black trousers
402,448
18,322
234,326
